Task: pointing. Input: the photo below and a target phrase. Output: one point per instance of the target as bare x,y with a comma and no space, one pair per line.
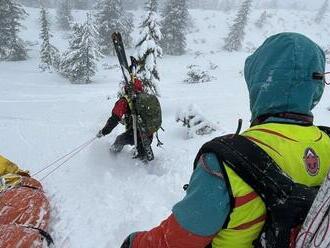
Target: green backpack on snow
149,113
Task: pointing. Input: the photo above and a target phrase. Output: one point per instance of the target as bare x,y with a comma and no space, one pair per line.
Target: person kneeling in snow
121,112
262,181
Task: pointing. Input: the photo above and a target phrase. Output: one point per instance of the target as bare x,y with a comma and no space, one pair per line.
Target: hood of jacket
279,75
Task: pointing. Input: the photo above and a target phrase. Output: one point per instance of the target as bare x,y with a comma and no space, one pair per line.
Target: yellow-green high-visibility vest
302,152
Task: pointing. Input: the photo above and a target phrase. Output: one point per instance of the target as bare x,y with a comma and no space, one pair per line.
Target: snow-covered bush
196,75
195,123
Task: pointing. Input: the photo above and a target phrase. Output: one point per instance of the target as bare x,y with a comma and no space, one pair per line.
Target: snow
98,198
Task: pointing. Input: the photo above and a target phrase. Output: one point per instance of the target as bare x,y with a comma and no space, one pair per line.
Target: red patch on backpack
312,162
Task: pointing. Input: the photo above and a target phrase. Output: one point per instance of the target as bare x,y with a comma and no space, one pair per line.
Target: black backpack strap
251,163
325,129
287,203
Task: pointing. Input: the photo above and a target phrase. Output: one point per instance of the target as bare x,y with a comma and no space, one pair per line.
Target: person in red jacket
121,112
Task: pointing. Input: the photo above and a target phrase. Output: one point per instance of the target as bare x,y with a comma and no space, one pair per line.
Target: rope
68,156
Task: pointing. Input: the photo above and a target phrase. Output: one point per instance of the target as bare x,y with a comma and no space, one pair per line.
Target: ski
315,231
121,54
149,155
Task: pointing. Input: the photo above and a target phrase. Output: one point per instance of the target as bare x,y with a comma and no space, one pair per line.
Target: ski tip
116,36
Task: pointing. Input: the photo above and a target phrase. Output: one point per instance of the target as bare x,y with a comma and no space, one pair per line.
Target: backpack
149,113
276,189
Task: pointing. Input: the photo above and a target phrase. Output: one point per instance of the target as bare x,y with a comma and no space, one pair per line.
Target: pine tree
63,14
12,48
233,42
48,53
148,49
79,63
322,12
110,18
175,18
262,19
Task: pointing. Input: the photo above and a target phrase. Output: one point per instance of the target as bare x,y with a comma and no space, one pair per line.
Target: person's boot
115,148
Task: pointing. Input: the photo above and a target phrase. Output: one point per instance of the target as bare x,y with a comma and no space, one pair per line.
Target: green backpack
149,112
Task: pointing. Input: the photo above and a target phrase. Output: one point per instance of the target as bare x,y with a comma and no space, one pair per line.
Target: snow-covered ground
99,198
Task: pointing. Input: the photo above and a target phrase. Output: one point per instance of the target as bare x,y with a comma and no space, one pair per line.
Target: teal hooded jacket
279,77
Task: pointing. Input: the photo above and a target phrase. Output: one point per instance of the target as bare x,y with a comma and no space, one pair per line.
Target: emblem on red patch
312,162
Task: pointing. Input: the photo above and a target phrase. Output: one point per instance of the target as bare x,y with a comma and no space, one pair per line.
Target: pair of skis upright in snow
129,73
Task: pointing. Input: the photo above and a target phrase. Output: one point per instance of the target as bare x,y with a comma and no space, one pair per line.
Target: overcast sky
314,4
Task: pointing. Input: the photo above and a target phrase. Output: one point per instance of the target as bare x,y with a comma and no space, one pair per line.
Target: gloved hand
99,134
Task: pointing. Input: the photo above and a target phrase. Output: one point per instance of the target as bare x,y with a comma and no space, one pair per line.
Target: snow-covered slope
99,198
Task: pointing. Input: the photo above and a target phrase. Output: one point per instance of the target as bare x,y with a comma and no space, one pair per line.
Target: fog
201,4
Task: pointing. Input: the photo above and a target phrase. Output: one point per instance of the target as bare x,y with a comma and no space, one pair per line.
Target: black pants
127,138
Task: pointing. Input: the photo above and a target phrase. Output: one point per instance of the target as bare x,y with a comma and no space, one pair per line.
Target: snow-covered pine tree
233,42
63,14
148,49
79,63
49,55
322,12
173,27
12,48
262,19
111,17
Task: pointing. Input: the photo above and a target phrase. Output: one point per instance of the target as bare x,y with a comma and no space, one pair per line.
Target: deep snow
99,198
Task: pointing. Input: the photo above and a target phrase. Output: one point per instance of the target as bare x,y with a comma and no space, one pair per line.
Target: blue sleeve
206,205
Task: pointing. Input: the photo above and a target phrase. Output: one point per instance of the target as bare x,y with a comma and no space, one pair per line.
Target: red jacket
120,109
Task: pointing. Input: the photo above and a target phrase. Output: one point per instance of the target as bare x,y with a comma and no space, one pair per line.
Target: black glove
127,243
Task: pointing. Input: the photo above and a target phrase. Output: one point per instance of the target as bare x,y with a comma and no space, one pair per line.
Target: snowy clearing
99,198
